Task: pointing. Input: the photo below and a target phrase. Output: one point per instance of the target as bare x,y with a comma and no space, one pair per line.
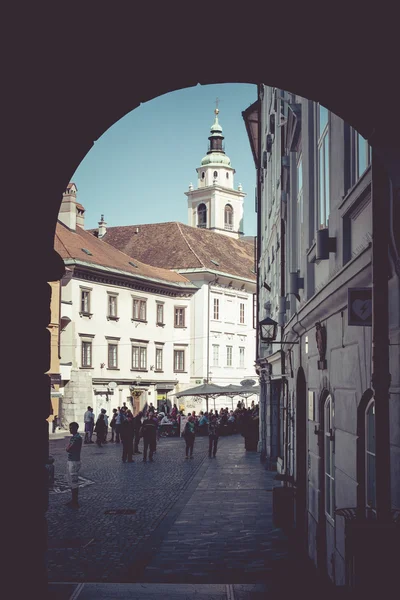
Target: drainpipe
380,333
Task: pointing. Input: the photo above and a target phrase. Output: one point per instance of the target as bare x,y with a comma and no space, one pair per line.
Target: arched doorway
301,455
91,89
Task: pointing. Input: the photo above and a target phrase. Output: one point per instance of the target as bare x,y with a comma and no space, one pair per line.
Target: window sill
113,369
86,368
86,314
160,324
158,371
138,321
180,371
180,327
110,318
140,370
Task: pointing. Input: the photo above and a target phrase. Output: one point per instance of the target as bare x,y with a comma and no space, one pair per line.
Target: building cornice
218,273
90,272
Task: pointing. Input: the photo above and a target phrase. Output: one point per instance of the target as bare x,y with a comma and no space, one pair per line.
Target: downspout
380,333
208,339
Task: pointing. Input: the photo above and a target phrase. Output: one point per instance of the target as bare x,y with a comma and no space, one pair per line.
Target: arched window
227,175
228,217
203,175
202,216
370,456
328,458
215,174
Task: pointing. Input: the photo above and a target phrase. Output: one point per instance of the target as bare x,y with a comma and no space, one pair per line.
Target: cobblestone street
194,521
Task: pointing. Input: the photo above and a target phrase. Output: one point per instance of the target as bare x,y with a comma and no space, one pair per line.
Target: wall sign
359,306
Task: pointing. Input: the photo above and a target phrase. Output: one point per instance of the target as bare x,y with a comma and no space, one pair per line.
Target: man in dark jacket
213,435
149,433
137,425
127,433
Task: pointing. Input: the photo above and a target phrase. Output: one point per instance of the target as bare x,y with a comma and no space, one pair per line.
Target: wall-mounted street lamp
269,330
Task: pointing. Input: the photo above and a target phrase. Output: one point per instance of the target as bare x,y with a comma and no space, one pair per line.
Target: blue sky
139,169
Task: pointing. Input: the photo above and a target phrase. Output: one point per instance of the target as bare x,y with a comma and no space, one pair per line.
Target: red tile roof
69,244
177,246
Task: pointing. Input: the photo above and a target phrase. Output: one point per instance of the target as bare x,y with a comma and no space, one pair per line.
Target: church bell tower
215,204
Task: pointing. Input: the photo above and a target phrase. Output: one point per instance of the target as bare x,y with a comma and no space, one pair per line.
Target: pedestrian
55,421
74,463
213,435
149,434
100,430
137,426
103,410
88,419
112,424
118,422
127,433
189,435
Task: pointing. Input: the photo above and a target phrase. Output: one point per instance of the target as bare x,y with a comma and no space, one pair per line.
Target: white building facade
120,328
316,169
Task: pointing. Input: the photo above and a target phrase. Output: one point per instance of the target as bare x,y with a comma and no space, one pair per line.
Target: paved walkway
202,526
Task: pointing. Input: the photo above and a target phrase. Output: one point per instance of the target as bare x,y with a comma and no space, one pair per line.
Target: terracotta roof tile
71,244
177,246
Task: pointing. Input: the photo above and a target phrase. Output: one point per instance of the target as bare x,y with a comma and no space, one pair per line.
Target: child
74,463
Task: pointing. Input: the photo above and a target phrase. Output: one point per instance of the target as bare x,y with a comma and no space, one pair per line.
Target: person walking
149,434
103,410
189,435
55,421
137,426
118,422
88,419
100,430
112,424
127,433
74,463
213,435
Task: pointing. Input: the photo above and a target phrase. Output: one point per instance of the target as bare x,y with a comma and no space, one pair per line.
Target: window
112,356
85,301
203,175
299,227
328,457
139,356
159,359
179,320
241,358
202,216
86,354
228,217
216,309
227,175
215,174
370,456
323,166
363,153
215,355
160,313
112,306
179,361
139,309
241,313
229,353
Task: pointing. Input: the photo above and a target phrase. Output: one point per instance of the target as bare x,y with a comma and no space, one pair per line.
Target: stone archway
77,77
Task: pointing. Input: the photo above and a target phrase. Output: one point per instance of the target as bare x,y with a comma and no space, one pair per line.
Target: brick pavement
200,521
89,545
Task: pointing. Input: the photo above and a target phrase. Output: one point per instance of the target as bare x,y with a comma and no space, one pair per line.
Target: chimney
80,215
102,227
68,210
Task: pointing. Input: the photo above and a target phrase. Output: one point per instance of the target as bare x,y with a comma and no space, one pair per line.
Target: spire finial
216,106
